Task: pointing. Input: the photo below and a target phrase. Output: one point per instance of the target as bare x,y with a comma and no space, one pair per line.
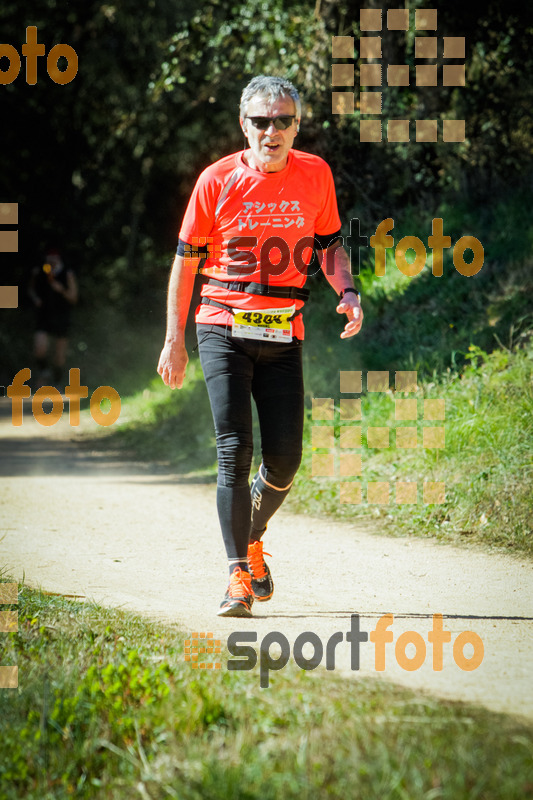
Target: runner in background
53,290
255,217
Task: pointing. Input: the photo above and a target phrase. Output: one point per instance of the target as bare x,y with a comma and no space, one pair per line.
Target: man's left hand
351,306
57,286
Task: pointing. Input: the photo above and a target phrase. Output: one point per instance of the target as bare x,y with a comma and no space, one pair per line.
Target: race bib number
272,324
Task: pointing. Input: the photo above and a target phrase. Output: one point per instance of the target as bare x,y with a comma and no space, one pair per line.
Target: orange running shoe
262,583
238,599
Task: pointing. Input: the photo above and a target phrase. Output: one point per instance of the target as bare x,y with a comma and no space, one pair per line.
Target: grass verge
107,707
485,465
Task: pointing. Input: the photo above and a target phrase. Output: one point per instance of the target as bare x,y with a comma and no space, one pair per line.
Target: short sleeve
199,216
328,220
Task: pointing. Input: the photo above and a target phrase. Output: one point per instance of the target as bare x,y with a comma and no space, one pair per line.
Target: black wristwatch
345,291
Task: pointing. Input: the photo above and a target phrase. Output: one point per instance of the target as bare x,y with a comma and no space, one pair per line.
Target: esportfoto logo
275,254
246,657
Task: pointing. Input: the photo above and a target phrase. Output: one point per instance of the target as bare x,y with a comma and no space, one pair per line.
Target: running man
53,290
249,322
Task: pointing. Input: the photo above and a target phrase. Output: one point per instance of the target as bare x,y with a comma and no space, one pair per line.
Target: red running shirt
235,209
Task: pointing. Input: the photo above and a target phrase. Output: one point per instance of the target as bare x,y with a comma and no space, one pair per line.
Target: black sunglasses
281,123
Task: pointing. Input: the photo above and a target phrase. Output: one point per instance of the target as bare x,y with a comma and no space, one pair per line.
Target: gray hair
271,87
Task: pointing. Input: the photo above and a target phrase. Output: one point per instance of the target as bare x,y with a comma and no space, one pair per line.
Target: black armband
191,250
324,241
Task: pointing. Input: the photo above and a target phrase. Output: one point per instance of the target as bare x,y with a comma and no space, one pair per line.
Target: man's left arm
71,293
335,265
68,292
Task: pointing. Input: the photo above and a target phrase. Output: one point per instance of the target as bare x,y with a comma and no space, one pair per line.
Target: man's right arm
32,288
173,359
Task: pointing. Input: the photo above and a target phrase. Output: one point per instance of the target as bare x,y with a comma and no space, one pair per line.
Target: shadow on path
32,449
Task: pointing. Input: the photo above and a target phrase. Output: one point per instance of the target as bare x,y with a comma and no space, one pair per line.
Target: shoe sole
263,599
235,611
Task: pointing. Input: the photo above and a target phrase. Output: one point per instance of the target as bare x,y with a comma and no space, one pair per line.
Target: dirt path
136,536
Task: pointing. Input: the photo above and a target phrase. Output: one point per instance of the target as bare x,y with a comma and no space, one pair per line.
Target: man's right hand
172,363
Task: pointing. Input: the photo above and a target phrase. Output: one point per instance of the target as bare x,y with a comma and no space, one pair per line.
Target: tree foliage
105,164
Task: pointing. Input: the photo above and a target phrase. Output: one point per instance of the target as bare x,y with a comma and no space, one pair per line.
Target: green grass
486,465
108,707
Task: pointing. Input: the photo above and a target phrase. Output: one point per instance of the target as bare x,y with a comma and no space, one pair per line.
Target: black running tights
236,370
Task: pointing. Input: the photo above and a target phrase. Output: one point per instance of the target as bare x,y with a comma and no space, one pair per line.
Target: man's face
54,259
269,148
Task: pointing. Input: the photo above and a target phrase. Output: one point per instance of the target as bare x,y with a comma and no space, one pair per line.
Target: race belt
284,292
